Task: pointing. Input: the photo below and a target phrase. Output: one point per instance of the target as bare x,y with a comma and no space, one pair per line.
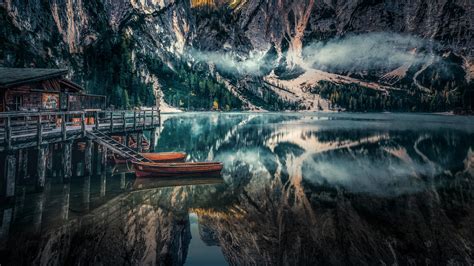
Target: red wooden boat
176,169
166,157
161,157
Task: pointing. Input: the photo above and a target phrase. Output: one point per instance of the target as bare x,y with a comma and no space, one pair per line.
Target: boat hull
176,169
165,157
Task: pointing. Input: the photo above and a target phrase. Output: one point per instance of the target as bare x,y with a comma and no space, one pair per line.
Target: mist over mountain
357,55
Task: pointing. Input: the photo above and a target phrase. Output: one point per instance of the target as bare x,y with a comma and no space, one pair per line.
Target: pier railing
40,126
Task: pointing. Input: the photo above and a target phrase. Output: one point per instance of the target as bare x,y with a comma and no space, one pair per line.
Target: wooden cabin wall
44,95
55,94
51,85
22,98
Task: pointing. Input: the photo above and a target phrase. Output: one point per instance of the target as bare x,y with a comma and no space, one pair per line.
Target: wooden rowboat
165,157
162,157
176,169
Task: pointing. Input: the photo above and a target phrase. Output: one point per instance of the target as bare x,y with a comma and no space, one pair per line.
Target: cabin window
23,101
16,103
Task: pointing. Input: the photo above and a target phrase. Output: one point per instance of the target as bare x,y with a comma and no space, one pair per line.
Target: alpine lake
296,189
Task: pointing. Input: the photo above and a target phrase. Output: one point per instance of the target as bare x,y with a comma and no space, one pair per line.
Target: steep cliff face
104,43
289,24
293,36
266,53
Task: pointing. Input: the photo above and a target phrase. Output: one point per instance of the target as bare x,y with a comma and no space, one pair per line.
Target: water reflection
296,189
338,189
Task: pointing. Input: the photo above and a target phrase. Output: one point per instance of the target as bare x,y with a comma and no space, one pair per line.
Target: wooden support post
83,124
123,179
135,119
138,118
39,131
41,168
104,158
10,171
103,183
124,118
144,119
111,121
67,159
23,164
88,158
19,202
127,140
96,158
63,127
86,192
8,133
96,120
139,142
7,217
49,158
152,139
38,206
153,117
65,201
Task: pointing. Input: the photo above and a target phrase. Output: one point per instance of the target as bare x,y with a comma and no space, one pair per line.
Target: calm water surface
296,189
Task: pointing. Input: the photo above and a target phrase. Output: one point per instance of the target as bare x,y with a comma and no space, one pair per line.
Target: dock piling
124,118
41,168
111,121
88,157
152,140
10,174
139,142
63,127
39,128
8,133
96,120
23,163
83,124
134,119
66,159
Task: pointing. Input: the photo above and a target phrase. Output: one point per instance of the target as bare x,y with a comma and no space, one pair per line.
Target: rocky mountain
253,54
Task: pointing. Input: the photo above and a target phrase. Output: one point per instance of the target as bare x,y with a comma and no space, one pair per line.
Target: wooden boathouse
41,109
36,90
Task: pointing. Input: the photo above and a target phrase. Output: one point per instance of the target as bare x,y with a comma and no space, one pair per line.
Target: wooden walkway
116,147
20,130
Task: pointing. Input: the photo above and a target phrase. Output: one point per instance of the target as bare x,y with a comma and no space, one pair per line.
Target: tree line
192,87
354,97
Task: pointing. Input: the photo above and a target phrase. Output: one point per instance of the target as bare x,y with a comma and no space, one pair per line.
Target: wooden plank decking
29,129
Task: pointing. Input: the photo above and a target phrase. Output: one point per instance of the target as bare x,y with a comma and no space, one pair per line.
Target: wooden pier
39,135
25,130
46,117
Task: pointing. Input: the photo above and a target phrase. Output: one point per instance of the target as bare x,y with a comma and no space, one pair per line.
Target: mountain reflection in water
296,189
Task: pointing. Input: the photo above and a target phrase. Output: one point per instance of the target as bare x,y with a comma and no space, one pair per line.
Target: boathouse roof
10,77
